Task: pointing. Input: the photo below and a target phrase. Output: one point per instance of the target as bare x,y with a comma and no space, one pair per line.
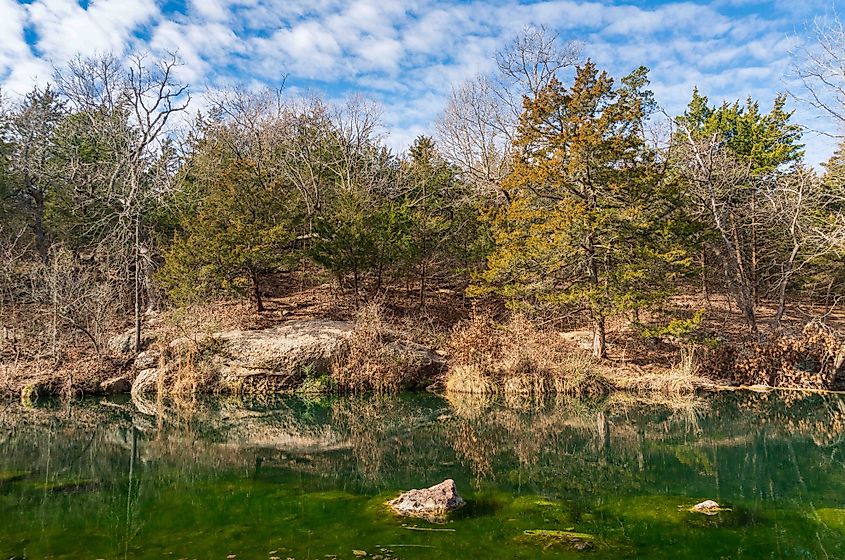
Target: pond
308,478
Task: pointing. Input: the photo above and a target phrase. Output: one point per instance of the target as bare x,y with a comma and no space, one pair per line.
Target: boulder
119,385
278,359
422,360
124,343
433,502
146,360
707,506
291,349
146,382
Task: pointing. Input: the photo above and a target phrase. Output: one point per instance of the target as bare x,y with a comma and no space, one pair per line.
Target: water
303,479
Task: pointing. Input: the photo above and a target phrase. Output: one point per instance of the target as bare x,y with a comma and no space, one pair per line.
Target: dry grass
518,358
681,379
185,367
369,362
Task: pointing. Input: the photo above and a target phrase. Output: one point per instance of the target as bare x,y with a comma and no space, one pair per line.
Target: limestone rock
279,359
287,348
146,360
430,502
706,506
124,343
145,382
116,385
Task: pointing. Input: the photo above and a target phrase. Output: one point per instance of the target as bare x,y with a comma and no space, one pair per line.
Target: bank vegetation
556,232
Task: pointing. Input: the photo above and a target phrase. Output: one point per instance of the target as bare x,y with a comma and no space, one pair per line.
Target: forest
551,199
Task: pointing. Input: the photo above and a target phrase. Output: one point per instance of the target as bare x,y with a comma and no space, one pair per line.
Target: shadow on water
304,478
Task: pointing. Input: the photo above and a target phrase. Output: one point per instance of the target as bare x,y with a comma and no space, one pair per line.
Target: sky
407,55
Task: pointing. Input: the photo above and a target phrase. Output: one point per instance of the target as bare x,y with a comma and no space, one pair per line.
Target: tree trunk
256,292
784,282
422,283
38,226
599,338
137,277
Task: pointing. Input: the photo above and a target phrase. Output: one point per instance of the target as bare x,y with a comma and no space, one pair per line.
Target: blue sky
408,54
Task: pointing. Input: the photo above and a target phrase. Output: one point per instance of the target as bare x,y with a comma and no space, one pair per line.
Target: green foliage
766,140
361,237
680,330
243,228
592,218
446,229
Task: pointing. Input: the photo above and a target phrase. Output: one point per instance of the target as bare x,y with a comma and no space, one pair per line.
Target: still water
307,479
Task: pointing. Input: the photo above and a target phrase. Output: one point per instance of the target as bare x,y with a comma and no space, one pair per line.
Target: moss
7,477
551,537
68,486
833,518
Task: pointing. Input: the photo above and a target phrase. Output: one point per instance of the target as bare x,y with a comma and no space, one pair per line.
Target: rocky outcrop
430,503
124,343
708,507
118,385
284,358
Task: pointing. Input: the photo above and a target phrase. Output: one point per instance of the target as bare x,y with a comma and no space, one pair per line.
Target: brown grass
518,358
368,362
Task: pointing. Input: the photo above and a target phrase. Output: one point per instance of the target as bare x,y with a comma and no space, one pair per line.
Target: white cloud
409,53
64,28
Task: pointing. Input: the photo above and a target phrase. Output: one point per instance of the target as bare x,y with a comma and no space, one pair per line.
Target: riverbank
319,340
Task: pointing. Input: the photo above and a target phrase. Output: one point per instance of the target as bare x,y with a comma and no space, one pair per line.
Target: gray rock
119,385
124,343
422,360
146,382
707,506
431,502
146,360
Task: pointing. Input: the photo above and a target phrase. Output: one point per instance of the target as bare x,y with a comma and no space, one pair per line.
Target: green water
307,479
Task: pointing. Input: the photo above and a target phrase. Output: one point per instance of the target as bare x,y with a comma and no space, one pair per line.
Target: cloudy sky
408,54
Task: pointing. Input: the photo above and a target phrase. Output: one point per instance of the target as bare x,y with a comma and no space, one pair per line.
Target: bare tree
476,128
714,176
128,108
820,67
792,208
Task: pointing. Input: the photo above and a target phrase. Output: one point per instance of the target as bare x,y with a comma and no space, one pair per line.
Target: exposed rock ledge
283,358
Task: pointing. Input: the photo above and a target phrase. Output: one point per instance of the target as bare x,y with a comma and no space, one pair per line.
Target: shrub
517,358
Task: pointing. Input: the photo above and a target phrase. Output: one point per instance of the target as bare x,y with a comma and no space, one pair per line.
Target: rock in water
706,506
430,503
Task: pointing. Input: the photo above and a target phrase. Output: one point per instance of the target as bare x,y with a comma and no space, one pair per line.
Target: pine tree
591,220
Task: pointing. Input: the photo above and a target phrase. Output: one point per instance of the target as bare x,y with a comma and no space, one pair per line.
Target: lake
289,477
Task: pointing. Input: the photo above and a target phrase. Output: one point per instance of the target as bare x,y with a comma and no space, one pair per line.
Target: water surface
298,478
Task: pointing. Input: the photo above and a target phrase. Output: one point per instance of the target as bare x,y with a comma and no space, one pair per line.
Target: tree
443,213
478,125
33,168
127,109
819,65
592,219
361,236
729,156
240,230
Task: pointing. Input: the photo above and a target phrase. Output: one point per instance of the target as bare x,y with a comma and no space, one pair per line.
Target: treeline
548,184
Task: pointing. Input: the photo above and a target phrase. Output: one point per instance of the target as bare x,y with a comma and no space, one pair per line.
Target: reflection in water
306,478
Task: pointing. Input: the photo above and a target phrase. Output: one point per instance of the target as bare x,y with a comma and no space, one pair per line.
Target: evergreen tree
591,220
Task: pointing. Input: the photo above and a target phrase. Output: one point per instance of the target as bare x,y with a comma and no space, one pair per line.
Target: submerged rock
430,502
578,541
